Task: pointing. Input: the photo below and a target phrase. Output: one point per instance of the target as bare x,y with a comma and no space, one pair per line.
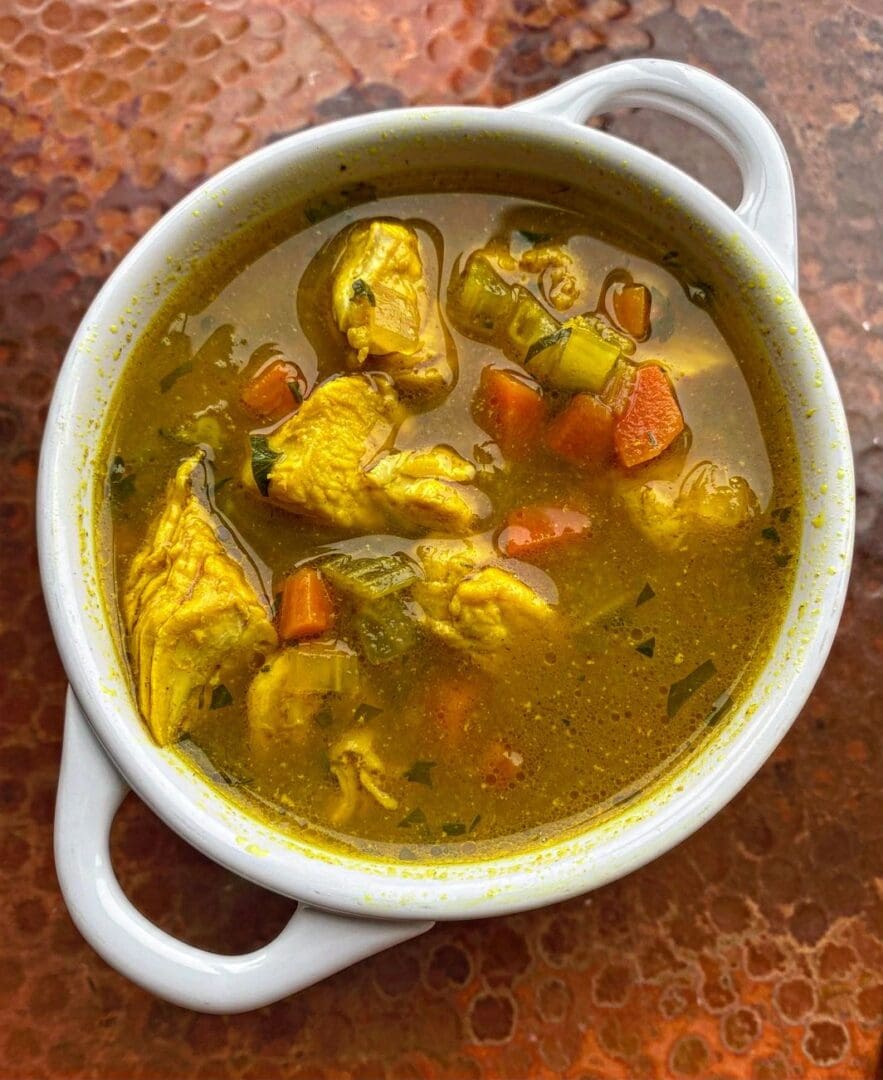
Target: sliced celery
319,667
574,358
385,630
481,301
602,328
528,322
369,577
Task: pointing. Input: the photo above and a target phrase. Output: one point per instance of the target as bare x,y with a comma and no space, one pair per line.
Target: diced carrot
652,419
501,766
583,432
306,609
276,390
511,410
631,305
450,703
533,530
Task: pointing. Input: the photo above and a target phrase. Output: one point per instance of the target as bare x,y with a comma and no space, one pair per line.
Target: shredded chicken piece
194,620
480,609
357,767
554,267
708,499
324,465
381,302
430,489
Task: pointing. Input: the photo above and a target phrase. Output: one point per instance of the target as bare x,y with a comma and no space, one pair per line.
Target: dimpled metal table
754,950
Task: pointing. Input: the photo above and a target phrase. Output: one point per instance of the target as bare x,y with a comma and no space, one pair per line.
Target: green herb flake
420,773
324,717
262,461
535,237
647,648
681,691
171,377
416,817
453,828
221,697
296,391
120,480
782,513
769,533
718,709
645,594
366,712
782,558
363,291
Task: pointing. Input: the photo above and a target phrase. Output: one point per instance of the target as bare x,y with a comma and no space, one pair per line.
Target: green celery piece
574,358
369,577
385,630
602,328
483,301
528,323
586,361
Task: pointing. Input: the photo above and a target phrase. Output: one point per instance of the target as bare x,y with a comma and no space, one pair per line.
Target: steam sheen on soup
443,518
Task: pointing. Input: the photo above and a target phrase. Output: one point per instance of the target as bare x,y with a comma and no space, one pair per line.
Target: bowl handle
313,945
718,109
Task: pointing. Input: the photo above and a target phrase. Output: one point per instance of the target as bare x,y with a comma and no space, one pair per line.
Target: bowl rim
391,889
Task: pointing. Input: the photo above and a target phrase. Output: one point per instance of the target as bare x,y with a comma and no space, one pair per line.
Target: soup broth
480,520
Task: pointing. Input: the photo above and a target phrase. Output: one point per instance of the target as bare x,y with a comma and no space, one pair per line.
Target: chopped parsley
262,461
324,718
366,712
416,817
363,291
171,377
420,773
221,697
535,237
681,691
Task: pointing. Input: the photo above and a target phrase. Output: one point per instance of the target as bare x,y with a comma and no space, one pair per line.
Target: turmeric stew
444,518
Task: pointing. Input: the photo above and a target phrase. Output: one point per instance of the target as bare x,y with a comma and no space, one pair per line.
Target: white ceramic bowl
351,907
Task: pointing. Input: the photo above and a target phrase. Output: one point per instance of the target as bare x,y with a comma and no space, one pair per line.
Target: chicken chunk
314,464
293,687
554,267
357,767
378,291
708,500
194,620
381,303
480,609
429,489
321,464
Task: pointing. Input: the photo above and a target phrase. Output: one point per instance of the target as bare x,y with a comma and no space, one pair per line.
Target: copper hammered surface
756,948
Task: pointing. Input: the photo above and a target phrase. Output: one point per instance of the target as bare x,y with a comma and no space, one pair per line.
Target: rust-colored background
755,949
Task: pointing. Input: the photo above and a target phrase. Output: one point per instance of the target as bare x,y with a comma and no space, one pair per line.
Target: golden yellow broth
586,710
